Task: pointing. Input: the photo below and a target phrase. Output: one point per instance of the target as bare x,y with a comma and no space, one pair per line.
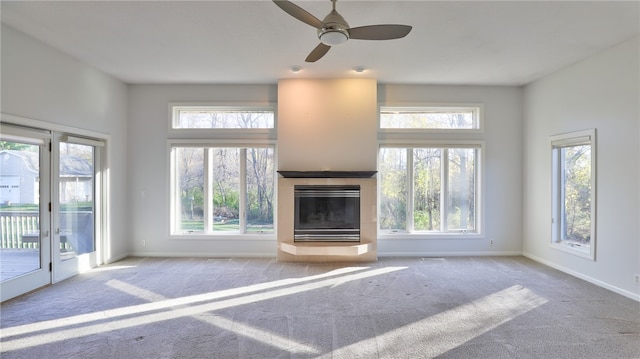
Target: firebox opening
327,213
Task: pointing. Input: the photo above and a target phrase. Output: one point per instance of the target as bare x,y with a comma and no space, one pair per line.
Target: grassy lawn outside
33,207
228,226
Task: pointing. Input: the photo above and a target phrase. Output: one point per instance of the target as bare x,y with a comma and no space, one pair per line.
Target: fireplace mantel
327,174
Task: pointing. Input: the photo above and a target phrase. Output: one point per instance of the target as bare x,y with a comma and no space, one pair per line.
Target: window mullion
208,190
555,193
444,192
476,189
410,190
559,195
243,191
175,187
562,181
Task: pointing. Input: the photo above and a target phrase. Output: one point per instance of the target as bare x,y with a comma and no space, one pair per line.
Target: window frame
218,137
174,199
476,108
238,133
479,145
556,142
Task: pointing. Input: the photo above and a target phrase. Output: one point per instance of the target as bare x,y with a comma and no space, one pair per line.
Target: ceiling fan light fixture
334,29
333,37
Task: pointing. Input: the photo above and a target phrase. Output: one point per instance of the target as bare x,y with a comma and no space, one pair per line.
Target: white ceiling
452,42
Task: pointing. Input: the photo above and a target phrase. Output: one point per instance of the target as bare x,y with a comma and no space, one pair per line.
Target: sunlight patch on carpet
165,304
24,336
445,331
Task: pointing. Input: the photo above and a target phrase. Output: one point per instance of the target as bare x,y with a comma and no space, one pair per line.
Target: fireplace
340,220
327,213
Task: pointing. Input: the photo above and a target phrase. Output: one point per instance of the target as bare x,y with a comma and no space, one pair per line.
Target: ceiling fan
334,30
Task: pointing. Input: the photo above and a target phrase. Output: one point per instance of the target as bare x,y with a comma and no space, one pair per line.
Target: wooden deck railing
14,225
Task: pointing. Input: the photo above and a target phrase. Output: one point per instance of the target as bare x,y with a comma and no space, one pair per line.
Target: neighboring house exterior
20,181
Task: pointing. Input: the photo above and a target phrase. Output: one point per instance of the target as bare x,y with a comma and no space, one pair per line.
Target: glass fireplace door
327,213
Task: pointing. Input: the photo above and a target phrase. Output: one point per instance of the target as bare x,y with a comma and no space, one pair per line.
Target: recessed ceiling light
359,69
295,68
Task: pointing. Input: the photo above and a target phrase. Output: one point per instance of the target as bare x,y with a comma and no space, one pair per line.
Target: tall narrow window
574,192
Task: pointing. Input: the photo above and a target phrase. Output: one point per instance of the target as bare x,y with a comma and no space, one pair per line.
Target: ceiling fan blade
379,32
299,13
317,53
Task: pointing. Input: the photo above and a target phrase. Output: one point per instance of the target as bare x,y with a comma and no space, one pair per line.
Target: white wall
601,92
148,180
502,188
148,161
43,84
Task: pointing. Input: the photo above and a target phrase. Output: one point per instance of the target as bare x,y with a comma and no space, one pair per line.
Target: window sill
224,237
580,251
420,236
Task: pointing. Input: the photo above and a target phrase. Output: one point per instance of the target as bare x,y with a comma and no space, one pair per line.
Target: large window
223,184
222,190
573,192
429,168
429,189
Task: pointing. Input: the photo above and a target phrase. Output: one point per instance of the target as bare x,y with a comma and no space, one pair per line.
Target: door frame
51,262
63,269
41,275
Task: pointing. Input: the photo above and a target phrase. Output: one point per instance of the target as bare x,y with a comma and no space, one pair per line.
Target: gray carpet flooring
460,307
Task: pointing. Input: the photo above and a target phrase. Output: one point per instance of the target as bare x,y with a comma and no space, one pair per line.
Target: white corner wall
43,84
601,92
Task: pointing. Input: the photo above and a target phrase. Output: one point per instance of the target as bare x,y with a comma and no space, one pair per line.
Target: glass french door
25,236
50,207
76,194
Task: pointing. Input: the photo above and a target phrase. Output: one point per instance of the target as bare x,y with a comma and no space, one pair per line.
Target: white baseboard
599,283
267,255
115,259
204,255
446,254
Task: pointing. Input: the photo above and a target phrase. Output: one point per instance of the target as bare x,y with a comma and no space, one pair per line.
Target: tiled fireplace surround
290,251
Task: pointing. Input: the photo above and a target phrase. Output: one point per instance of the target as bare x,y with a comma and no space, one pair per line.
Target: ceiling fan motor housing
335,30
